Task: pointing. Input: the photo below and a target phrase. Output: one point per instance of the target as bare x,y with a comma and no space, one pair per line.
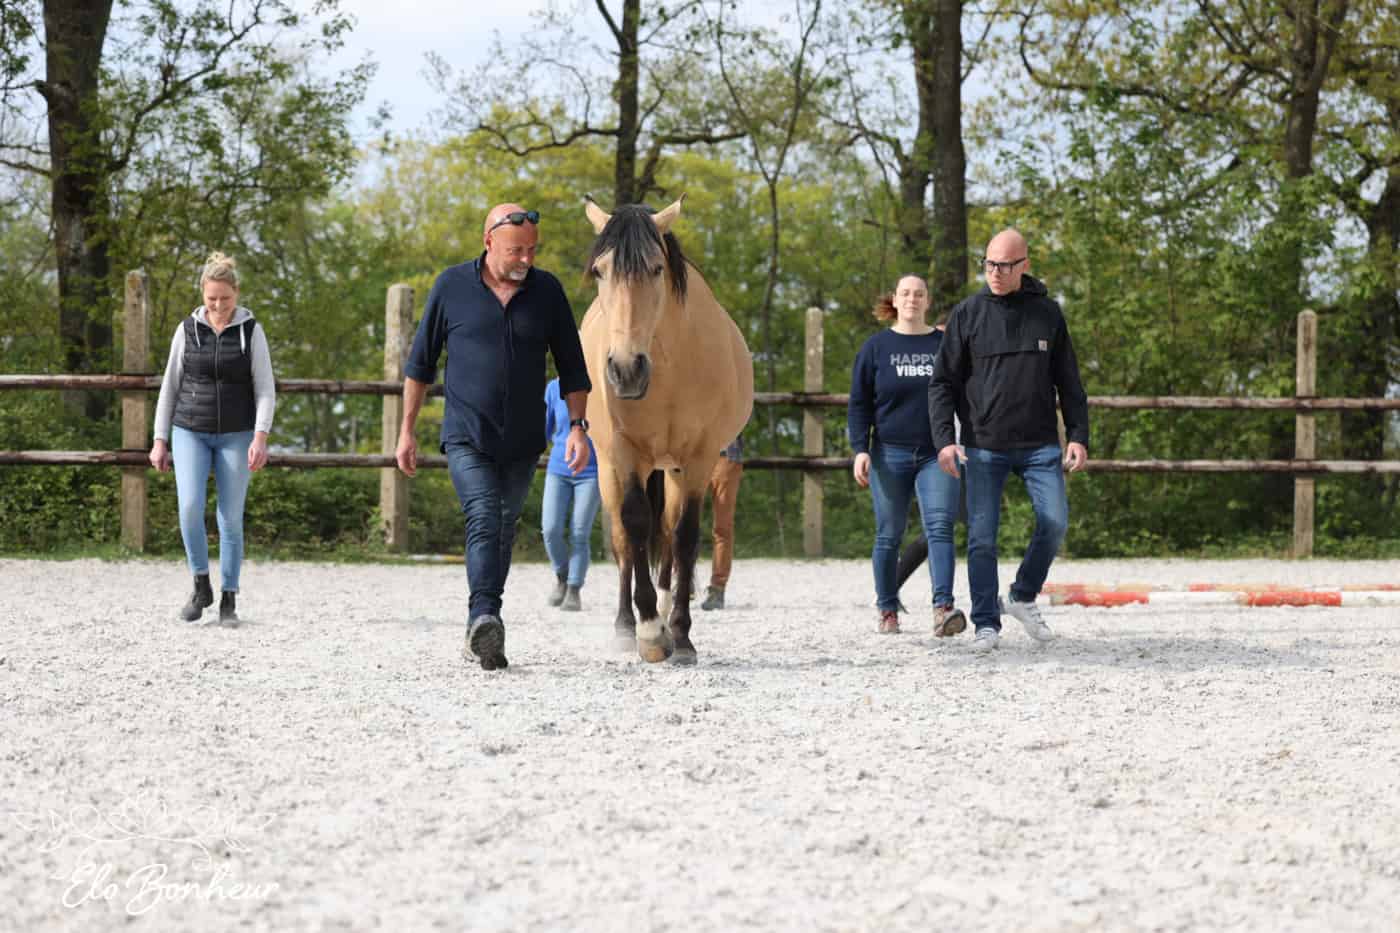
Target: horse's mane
634,239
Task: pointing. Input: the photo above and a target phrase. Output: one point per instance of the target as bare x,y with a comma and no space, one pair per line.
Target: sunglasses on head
515,219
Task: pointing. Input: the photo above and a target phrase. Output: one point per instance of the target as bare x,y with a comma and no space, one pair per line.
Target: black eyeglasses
515,219
991,265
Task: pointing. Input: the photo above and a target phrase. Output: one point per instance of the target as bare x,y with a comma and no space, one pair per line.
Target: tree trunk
1309,53
948,276
628,72
74,34
914,170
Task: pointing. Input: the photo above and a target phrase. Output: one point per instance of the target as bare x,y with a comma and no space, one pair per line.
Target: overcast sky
399,34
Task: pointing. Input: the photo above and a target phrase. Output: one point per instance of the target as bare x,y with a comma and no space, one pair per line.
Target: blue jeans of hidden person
985,474
195,454
569,502
898,473
492,494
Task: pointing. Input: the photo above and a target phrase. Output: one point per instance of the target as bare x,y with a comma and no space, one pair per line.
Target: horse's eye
655,270
593,271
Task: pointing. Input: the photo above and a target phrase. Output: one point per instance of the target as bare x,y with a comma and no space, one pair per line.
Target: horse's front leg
686,548
654,642
625,624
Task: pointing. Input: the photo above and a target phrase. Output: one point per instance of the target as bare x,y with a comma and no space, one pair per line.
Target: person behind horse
570,502
724,502
887,421
1006,357
215,410
496,317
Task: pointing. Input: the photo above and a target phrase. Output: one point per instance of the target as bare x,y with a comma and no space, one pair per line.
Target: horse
677,388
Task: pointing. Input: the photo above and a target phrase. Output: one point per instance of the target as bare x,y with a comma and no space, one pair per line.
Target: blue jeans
492,495
194,453
986,473
896,473
572,501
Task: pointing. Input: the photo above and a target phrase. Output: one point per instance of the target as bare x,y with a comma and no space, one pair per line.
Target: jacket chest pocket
1032,340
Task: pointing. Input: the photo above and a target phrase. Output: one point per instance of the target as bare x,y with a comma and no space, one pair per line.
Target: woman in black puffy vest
215,410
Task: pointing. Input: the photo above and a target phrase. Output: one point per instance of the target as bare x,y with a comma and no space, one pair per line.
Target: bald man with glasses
1005,362
496,317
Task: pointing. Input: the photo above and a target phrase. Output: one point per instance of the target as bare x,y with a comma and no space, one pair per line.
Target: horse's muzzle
630,380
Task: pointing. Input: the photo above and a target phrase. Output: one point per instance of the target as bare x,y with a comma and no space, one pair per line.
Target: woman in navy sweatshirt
887,421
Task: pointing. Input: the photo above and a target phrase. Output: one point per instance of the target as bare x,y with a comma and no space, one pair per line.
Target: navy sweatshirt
889,390
495,374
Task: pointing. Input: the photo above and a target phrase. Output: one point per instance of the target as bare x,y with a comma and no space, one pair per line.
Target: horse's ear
596,215
668,216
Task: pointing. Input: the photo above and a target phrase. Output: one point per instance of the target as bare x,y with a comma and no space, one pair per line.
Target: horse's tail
657,546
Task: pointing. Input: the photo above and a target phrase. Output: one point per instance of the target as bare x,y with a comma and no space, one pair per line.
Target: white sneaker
986,639
1028,614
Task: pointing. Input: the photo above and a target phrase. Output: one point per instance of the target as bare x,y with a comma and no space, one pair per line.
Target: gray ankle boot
571,601
228,609
557,596
202,597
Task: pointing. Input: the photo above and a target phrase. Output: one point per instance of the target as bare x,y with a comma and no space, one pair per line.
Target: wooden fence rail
795,399
137,381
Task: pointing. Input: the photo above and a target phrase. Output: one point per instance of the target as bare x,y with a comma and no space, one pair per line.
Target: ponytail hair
884,310
219,268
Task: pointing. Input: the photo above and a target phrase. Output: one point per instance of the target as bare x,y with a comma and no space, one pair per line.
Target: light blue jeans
986,473
896,474
571,501
194,453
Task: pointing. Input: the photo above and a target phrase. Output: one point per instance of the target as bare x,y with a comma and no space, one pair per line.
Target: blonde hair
219,268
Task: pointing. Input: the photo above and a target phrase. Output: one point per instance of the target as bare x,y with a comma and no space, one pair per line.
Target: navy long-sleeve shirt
495,374
889,390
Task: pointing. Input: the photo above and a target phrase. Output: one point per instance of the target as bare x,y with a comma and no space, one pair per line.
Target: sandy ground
332,764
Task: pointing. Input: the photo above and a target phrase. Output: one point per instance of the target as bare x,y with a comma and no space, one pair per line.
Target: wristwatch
579,423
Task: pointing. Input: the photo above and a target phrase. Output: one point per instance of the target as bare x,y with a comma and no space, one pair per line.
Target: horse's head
638,266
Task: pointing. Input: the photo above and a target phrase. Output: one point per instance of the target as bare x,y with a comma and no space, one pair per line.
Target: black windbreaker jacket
1002,362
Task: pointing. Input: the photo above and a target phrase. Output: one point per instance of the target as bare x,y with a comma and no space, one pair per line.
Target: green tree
164,87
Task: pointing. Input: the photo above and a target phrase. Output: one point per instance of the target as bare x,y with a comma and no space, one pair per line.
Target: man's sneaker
889,622
486,642
1028,614
986,639
560,589
948,621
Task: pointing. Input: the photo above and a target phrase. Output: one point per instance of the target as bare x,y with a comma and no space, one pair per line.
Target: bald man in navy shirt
496,317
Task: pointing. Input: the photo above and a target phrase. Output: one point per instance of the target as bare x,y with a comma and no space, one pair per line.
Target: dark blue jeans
985,475
491,494
896,474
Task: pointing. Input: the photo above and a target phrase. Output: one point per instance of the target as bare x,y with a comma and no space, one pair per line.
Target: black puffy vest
216,391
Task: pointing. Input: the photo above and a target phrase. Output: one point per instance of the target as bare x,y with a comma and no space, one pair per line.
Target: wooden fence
137,380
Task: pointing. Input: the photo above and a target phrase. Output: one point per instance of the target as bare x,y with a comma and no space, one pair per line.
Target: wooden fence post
813,437
393,485
136,360
1305,433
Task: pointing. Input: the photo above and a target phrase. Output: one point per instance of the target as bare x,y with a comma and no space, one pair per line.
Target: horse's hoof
653,652
654,642
684,657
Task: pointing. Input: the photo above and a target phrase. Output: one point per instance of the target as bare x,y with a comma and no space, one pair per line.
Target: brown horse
677,388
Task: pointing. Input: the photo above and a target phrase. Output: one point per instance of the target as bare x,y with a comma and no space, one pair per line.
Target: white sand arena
334,765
